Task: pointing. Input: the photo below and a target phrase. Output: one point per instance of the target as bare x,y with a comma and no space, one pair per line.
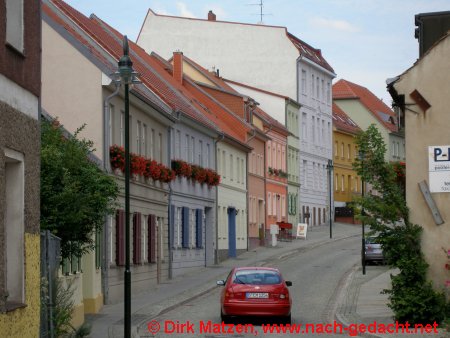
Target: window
238,176
336,153
192,153
178,227
312,85
231,167
342,150
185,228
200,153
303,82
144,140
177,144
304,128
152,145
122,127
283,206
269,154
207,155
193,228
111,124
138,137
199,228
342,183
120,237
269,203
14,226
323,90
313,128
15,24
317,88
328,93
151,233
349,151
336,182
137,245
187,149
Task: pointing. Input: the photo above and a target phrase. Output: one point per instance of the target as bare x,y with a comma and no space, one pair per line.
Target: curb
138,329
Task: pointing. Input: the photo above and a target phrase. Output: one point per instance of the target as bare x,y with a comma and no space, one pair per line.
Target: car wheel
287,319
224,318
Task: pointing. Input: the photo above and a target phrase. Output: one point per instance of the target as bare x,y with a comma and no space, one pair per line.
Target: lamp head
125,64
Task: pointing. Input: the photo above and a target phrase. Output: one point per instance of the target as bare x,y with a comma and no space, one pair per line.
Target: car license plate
257,295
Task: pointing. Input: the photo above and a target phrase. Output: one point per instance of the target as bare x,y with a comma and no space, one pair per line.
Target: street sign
439,168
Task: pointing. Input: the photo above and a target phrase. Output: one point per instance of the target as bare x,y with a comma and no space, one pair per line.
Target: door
231,232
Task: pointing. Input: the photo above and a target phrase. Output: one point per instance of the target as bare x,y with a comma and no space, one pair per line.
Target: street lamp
330,169
127,76
363,240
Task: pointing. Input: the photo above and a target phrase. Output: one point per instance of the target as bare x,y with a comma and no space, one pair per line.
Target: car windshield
257,277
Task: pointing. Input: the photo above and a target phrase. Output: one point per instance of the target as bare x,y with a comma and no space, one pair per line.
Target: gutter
216,256
171,223
107,167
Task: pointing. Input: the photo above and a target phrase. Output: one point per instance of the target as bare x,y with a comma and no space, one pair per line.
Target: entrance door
231,232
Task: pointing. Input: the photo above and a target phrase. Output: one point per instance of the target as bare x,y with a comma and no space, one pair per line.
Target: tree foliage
75,194
412,297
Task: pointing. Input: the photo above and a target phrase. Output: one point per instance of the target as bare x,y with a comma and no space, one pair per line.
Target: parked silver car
373,250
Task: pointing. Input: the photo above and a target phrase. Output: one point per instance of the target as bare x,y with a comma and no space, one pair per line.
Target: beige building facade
422,94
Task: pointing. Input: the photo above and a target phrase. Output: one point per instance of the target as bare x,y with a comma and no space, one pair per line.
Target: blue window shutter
199,228
185,238
172,226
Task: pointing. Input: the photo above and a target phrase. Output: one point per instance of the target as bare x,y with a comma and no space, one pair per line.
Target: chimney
178,66
211,16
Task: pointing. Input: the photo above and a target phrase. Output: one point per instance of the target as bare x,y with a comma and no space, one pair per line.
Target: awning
284,225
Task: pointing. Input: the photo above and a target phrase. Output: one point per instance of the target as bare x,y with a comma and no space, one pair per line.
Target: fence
50,262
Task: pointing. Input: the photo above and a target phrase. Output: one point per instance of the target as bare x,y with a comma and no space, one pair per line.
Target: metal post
127,276
330,168
363,235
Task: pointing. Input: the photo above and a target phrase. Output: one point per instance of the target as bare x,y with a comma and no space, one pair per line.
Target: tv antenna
261,14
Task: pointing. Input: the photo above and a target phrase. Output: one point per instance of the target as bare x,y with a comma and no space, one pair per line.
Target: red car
255,291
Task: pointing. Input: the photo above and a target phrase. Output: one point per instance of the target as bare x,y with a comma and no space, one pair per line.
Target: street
315,274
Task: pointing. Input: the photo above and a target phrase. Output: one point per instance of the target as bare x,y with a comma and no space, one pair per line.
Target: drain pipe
107,168
216,256
171,221
247,193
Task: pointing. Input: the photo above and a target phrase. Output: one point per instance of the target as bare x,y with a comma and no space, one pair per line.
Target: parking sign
439,168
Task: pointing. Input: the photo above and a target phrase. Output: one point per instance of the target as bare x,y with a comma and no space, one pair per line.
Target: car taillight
229,294
283,296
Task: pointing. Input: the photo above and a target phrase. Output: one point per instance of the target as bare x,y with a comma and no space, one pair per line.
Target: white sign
274,230
439,168
302,228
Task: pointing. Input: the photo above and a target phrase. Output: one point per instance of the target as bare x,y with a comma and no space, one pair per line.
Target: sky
365,41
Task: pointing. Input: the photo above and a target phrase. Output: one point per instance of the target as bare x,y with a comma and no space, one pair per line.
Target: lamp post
330,169
363,239
127,77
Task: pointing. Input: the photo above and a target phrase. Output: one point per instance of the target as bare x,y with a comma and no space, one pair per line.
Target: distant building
269,58
20,91
346,182
364,108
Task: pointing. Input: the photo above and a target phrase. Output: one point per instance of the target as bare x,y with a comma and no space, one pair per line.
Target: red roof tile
343,90
159,82
313,54
343,122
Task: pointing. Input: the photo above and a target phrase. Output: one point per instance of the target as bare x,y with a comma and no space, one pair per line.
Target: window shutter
137,247
120,234
199,228
185,243
151,238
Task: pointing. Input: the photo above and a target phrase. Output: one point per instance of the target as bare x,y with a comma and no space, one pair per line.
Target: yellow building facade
346,181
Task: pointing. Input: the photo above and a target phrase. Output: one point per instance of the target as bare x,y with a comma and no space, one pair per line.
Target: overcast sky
365,41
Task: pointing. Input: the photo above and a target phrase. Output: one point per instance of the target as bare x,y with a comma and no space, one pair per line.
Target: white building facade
242,52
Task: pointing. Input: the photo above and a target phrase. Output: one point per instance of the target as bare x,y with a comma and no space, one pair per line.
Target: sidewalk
361,301
169,294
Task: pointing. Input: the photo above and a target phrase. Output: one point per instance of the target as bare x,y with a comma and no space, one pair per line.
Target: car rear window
372,240
256,277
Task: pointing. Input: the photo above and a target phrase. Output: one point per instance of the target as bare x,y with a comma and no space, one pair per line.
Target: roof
311,53
159,82
344,90
343,122
270,120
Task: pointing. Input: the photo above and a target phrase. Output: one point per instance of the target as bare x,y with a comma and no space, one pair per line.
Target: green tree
412,297
75,194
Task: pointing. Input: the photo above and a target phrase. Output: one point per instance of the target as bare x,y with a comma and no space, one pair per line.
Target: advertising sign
301,230
439,168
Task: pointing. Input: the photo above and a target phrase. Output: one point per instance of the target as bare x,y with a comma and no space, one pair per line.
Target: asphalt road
316,275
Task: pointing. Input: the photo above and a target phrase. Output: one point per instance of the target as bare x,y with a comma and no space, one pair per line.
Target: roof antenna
261,14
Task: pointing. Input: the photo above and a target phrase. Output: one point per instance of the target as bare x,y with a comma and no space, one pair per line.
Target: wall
77,82
215,44
426,129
